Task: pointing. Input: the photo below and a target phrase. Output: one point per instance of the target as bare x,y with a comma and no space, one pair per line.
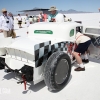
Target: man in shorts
83,42
19,21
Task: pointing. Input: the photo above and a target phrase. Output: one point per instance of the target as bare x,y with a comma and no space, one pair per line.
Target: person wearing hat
5,23
55,16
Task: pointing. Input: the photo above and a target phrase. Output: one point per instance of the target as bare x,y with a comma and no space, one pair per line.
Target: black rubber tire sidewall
50,68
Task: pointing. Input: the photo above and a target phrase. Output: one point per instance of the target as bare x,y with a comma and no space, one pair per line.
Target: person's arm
49,18
21,18
43,18
1,25
12,23
16,18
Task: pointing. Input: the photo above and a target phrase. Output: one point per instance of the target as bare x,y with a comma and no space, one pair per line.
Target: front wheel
57,71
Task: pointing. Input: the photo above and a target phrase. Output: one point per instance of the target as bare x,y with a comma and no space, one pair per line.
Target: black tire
51,76
1,65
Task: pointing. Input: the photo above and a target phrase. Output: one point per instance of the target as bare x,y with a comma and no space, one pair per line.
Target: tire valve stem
24,81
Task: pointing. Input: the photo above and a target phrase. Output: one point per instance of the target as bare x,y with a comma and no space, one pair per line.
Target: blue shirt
52,16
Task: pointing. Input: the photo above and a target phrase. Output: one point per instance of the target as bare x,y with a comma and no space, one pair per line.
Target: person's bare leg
78,58
79,61
86,59
9,33
20,25
5,33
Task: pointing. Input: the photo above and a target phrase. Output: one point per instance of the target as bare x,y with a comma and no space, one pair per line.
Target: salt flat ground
81,86
86,18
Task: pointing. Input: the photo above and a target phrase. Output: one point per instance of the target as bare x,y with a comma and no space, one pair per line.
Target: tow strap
24,81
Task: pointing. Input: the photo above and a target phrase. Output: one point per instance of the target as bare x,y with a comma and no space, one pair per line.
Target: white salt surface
81,86
86,18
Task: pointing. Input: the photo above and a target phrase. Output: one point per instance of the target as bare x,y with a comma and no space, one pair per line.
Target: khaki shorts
19,22
6,33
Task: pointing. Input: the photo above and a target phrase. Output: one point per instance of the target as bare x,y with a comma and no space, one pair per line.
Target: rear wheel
1,65
57,71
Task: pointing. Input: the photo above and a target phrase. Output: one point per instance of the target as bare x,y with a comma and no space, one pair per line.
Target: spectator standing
54,16
13,34
5,23
27,20
41,17
19,18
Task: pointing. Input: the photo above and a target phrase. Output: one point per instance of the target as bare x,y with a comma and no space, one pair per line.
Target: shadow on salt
30,86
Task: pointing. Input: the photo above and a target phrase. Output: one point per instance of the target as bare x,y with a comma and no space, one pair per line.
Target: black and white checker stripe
41,52
61,46
45,49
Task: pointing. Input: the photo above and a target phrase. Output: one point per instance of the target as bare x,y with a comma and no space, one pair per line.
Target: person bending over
83,42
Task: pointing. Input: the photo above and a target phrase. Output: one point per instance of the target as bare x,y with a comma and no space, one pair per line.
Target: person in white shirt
41,17
12,19
19,18
27,20
5,23
55,16
83,42
13,34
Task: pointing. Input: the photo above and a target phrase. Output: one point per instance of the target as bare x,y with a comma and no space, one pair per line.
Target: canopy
35,9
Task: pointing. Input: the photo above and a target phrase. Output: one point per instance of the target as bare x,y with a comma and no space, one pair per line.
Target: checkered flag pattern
45,49
41,52
61,46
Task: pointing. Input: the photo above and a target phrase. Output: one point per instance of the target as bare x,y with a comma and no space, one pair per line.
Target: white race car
43,55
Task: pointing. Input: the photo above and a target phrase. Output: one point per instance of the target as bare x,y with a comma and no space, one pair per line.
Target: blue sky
80,5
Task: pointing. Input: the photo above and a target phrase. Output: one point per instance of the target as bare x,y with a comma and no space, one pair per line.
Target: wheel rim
61,71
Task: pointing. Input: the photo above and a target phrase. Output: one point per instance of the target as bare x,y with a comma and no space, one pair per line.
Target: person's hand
52,20
1,30
12,29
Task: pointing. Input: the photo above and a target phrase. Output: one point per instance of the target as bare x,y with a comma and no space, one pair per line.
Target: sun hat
3,10
52,8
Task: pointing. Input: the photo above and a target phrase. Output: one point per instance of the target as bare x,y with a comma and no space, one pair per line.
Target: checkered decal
61,46
41,52
45,49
